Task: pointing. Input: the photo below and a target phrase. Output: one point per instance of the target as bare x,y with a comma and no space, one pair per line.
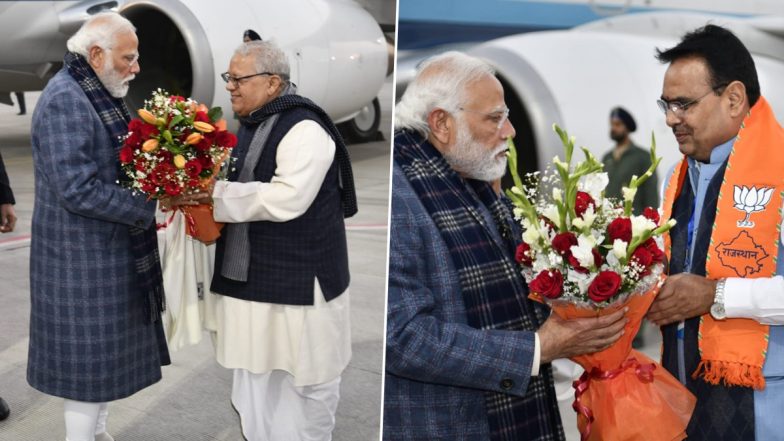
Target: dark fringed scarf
494,292
144,242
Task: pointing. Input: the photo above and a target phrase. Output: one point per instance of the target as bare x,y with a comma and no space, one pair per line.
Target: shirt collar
718,155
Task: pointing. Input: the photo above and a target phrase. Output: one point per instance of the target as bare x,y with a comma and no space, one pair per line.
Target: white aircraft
574,76
338,54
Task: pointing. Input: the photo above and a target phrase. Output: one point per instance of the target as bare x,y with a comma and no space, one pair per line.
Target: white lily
531,237
619,248
583,251
586,220
551,212
628,193
641,224
557,194
594,184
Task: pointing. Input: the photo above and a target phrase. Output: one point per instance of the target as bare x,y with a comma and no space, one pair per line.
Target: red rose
135,125
620,228
642,257
176,98
598,260
522,255
563,241
172,189
193,168
134,140
604,286
652,214
147,131
201,116
548,283
225,139
582,202
126,155
656,253
206,162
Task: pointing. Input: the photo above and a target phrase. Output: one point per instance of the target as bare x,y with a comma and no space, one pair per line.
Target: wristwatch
717,309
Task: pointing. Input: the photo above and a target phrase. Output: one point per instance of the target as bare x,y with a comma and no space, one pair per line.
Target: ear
96,57
736,94
441,125
275,84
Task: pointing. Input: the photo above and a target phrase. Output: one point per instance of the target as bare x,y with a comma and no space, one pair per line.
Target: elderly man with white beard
468,355
95,283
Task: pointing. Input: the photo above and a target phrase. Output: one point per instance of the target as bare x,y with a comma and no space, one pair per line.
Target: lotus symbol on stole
751,200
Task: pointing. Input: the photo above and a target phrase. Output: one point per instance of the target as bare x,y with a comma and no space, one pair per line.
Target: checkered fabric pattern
90,334
460,325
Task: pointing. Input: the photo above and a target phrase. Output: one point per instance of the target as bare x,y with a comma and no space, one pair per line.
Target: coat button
507,383
140,223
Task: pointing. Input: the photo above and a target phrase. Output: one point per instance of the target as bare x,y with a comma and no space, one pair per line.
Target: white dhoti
272,408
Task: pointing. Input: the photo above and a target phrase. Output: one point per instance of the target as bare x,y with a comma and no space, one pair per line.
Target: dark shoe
21,113
4,410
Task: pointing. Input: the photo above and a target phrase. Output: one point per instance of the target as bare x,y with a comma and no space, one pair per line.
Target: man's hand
682,297
7,218
194,198
561,338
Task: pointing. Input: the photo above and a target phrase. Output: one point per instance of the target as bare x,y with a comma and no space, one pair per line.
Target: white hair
440,83
99,30
267,57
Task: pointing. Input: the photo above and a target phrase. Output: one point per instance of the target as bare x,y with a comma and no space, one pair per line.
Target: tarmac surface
192,402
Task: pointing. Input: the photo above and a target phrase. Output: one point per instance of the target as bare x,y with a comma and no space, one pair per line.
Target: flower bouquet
177,146
586,255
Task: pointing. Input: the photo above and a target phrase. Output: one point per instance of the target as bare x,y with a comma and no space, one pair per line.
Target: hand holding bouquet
586,255
177,146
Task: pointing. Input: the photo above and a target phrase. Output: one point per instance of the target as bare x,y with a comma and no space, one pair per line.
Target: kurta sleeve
760,299
303,159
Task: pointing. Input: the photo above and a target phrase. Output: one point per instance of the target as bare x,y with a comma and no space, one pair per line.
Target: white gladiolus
583,280
586,220
629,193
583,251
641,224
551,212
531,236
619,248
557,194
518,213
594,184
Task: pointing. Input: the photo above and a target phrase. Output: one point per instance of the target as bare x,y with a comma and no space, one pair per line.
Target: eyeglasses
237,81
678,108
498,117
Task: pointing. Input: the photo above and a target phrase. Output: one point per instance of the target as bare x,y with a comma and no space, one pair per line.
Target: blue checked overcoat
437,367
90,338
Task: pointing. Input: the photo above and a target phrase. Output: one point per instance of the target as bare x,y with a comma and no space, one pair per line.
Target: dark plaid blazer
437,367
90,338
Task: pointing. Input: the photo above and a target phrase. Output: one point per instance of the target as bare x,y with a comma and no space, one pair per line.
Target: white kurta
312,343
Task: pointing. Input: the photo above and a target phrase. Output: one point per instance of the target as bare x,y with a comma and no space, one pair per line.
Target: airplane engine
337,52
575,77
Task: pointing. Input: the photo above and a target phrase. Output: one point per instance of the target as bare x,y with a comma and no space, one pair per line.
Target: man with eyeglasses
722,303
95,279
281,263
468,354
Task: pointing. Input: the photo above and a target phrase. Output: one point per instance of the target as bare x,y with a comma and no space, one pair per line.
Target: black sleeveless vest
287,257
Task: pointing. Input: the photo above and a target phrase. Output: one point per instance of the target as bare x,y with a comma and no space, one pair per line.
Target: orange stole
744,243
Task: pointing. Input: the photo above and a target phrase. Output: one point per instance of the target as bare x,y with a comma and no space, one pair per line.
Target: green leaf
176,120
215,114
168,136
